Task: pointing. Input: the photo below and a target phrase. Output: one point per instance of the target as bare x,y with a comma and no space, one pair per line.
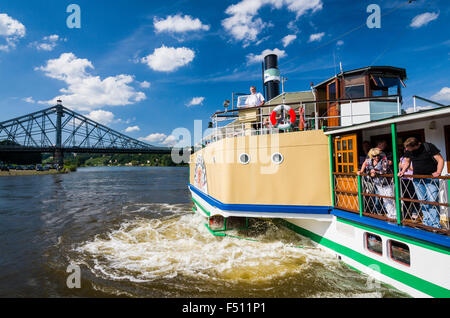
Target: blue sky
148,67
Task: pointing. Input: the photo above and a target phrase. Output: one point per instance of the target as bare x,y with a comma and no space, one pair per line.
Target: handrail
406,202
424,202
354,174
359,99
425,177
345,174
429,101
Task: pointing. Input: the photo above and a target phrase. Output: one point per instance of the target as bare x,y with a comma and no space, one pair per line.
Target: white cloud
419,108
252,58
443,95
177,23
29,100
87,92
339,43
170,141
293,27
160,139
101,116
132,129
196,101
423,19
11,30
288,39
316,37
244,23
168,59
262,40
48,43
145,84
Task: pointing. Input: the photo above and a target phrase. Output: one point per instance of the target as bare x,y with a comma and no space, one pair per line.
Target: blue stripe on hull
394,228
298,209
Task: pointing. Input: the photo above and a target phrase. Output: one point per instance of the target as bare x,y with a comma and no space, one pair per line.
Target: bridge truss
58,129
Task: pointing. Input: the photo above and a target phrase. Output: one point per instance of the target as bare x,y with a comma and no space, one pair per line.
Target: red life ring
284,124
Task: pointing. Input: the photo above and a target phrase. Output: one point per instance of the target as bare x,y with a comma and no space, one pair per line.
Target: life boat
282,123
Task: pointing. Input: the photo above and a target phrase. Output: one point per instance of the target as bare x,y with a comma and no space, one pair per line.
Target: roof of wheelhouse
385,70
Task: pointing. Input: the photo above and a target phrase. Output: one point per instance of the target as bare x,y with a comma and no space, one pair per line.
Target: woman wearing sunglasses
376,166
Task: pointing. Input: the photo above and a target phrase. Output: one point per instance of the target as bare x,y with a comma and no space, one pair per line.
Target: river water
133,234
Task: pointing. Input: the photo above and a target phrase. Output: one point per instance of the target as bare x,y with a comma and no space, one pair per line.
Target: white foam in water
157,207
147,249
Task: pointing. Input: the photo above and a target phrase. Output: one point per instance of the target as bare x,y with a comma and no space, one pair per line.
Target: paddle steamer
295,160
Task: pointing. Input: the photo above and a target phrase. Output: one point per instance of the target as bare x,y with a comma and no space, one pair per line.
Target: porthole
277,158
244,159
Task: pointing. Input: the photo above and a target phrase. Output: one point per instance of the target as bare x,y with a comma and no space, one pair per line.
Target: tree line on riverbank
95,160
74,161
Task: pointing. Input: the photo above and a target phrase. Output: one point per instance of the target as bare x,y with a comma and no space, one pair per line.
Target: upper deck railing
411,206
310,115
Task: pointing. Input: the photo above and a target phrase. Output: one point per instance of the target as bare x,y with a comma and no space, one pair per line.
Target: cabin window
355,91
374,244
244,159
399,252
384,86
241,101
332,91
346,152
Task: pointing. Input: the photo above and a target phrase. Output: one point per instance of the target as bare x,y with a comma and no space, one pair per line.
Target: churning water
133,234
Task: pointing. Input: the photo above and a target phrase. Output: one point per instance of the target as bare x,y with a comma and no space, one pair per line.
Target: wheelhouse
349,98
361,95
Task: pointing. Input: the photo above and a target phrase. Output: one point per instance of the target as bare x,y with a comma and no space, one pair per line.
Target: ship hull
298,193
426,276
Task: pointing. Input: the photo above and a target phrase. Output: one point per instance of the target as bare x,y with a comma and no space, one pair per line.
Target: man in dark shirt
427,161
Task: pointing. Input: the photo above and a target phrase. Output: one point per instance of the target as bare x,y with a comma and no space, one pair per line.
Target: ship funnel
271,76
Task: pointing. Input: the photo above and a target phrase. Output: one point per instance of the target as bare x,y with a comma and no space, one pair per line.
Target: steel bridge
58,129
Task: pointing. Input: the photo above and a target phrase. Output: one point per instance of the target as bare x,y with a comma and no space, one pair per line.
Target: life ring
301,115
282,123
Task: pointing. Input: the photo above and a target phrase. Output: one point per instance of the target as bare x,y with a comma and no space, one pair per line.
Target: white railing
228,124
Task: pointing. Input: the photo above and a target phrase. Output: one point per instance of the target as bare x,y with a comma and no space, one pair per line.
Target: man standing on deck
427,161
255,99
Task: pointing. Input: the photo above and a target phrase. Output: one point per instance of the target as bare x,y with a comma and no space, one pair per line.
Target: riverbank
12,173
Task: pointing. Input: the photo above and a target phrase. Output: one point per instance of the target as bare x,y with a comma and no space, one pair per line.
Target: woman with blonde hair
375,166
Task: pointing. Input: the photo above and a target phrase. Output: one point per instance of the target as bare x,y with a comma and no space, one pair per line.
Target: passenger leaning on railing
376,165
407,186
255,99
427,161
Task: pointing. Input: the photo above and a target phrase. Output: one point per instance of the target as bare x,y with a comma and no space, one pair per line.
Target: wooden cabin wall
322,96
368,92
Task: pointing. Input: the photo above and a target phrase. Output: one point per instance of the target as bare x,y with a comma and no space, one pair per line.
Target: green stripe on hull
200,206
405,278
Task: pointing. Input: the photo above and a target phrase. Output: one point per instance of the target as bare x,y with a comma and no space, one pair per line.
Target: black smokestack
271,76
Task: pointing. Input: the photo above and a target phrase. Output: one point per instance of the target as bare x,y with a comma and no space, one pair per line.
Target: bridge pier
59,158
59,155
